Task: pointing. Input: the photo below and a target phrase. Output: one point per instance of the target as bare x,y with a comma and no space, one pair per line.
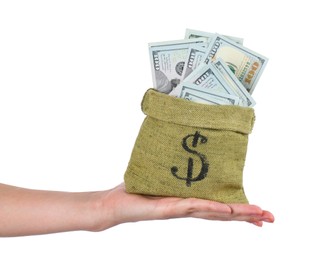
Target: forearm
29,212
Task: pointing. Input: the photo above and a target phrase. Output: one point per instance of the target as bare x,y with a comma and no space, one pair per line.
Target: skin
32,212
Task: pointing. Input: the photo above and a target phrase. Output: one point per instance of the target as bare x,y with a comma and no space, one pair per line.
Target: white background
72,76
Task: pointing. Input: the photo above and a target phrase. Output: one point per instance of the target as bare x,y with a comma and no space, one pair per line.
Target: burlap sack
186,149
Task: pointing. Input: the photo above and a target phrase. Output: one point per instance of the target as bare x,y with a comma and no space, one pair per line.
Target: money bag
187,149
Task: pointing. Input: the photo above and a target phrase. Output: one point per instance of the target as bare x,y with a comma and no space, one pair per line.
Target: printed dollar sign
204,164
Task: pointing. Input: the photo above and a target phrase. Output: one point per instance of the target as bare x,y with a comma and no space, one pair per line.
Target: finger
245,210
257,223
209,215
268,216
256,220
191,206
225,216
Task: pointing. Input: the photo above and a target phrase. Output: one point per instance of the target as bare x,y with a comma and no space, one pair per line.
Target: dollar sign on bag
197,139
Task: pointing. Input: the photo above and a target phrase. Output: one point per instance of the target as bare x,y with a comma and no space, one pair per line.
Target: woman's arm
30,212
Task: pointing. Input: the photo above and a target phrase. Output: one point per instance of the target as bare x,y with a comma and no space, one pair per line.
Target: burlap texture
186,149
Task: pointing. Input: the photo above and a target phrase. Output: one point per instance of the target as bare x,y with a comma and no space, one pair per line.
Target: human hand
121,207
32,212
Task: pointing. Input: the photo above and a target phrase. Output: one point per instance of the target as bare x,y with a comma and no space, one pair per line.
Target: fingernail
268,220
258,223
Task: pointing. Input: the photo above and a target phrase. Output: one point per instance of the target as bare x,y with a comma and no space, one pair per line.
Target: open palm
133,207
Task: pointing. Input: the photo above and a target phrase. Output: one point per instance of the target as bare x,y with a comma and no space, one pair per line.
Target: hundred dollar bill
238,89
194,59
246,64
196,94
167,61
206,77
192,34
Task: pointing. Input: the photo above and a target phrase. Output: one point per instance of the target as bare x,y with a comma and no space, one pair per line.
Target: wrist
100,216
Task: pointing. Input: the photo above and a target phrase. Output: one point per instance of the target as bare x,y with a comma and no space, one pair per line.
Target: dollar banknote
194,93
207,68
238,89
167,62
192,34
194,58
207,77
246,64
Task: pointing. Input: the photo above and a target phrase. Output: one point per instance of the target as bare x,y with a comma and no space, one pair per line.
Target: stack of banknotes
207,68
